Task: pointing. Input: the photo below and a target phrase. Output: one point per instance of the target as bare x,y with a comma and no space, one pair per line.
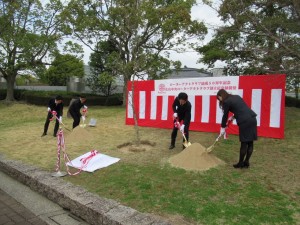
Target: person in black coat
74,110
246,120
55,104
182,112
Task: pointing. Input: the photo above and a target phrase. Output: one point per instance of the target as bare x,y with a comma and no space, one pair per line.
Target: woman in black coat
246,120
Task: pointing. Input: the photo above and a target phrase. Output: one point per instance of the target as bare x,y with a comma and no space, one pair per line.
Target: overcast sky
200,12
206,14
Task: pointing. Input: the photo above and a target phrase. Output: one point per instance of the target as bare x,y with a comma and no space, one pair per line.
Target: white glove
230,119
182,128
222,131
49,109
85,107
175,115
60,119
83,118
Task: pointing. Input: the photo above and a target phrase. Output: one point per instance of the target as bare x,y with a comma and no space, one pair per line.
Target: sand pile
78,134
195,158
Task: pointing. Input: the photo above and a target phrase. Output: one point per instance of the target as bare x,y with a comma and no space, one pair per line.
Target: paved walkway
13,213
19,205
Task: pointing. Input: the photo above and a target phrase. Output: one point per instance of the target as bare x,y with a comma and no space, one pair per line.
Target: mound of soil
78,134
196,158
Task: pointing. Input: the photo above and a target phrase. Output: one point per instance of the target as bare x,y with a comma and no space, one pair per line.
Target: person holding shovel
246,120
74,110
182,114
55,107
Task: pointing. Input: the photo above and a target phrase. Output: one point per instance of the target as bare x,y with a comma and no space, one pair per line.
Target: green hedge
17,94
42,97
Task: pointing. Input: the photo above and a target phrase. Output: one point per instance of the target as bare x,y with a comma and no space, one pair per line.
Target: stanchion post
60,143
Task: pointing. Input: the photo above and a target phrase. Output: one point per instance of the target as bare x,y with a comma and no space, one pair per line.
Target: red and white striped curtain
153,99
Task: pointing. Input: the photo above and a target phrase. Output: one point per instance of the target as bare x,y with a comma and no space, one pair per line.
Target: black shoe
44,134
183,147
238,165
246,165
171,147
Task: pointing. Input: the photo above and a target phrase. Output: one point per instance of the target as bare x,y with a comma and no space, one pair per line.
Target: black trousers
76,119
56,126
175,130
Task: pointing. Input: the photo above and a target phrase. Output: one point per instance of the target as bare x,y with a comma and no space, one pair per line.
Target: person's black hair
182,96
82,96
59,97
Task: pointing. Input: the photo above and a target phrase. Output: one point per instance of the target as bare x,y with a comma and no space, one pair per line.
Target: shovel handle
62,123
210,148
65,126
183,135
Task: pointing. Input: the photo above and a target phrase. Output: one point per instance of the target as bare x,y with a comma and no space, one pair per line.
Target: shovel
185,143
210,148
83,125
65,126
62,123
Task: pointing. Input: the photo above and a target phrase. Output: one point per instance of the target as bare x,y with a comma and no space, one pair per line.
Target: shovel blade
187,144
210,148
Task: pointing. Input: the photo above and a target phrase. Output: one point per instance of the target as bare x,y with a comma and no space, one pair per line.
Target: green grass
267,193
208,198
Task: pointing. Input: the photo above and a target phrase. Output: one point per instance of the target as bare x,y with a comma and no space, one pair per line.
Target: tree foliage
102,66
262,37
62,68
29,34
141,30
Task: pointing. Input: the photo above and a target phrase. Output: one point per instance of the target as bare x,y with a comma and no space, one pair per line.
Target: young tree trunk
296,87
136,126
124,93
10,80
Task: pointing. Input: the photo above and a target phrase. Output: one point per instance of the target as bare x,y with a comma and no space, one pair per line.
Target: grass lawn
266,193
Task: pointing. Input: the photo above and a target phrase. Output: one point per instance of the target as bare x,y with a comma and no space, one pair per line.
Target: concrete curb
93,209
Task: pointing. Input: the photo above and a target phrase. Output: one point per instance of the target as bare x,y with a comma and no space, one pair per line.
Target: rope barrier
61,147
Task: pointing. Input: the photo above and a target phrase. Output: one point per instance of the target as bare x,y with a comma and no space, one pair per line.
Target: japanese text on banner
197,86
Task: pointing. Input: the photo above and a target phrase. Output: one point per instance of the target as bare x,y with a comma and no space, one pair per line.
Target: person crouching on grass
55,104
182,112
74,110
246,120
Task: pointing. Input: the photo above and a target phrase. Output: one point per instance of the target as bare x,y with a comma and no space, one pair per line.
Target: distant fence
117,90
291,94
42,88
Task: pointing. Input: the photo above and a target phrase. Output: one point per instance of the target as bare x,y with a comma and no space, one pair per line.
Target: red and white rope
61,147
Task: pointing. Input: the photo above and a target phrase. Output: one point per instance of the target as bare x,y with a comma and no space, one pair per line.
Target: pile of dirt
196,158
78,134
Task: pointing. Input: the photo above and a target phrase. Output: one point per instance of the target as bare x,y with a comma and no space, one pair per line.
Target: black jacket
56,107
75,107
183,111
238,107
